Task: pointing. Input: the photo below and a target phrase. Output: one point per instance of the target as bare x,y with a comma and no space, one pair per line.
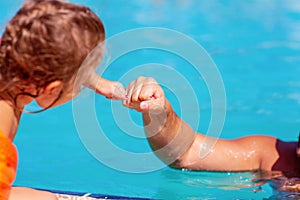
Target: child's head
47,41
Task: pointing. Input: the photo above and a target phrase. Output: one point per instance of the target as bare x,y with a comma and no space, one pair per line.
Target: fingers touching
144,94
110,89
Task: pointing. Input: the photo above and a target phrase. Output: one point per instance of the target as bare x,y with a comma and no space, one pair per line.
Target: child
41,52
179,146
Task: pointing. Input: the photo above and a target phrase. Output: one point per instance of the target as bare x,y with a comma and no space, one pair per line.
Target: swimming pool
255,47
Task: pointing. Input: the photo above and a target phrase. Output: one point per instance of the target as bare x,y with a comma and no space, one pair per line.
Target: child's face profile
57,93
60,92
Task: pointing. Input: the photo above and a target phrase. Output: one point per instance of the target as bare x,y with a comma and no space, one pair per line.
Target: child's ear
49,93
53,88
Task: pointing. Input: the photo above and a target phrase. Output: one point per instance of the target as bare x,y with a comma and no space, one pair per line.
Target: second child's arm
179,146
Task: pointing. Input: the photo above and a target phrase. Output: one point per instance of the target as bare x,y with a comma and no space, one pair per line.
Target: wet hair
47,40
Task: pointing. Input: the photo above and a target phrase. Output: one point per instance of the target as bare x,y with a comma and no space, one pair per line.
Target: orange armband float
8,165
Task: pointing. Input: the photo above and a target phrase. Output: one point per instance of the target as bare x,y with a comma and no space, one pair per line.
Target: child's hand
110,89
144,94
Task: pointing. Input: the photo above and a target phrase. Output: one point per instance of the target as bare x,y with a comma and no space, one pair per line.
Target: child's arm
176,143
110,89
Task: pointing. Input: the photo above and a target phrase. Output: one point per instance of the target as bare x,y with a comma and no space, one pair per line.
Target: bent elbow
184,162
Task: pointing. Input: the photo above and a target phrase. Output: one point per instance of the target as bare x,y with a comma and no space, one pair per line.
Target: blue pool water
255,45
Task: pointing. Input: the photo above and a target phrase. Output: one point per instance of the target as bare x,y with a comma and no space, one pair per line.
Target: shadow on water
229,185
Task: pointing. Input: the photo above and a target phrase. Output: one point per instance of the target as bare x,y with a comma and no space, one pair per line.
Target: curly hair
47,40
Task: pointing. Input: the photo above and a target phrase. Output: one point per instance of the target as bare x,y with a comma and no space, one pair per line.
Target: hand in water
144,94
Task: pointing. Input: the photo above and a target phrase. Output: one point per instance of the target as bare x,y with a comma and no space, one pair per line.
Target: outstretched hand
110,89
144,94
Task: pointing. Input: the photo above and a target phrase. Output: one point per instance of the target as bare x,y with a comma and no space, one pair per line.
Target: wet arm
169,136
178,145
